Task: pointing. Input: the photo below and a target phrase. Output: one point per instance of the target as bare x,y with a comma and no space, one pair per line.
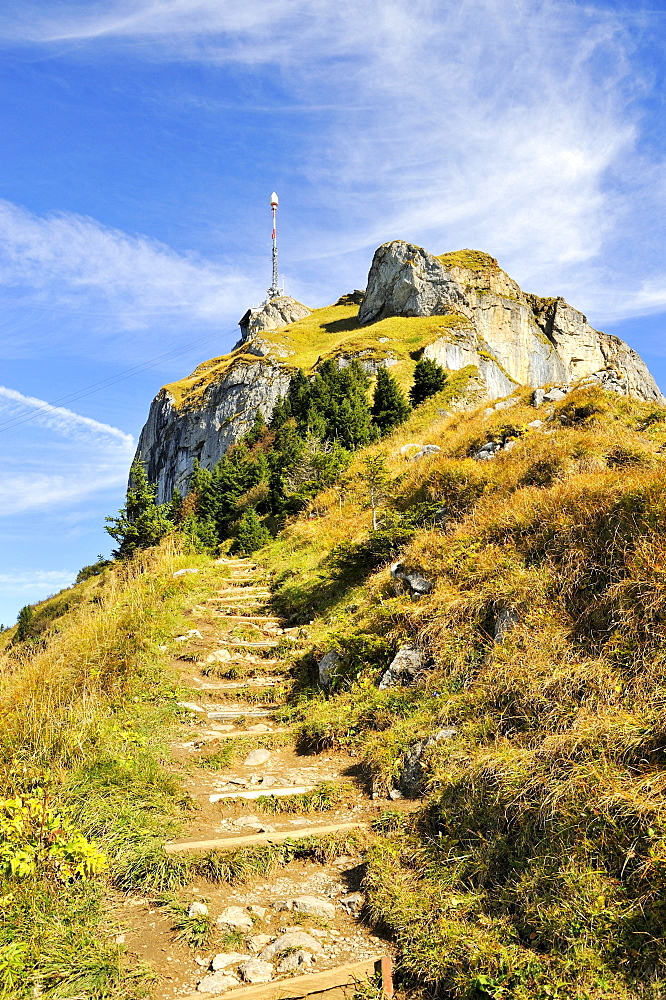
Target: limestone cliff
460,309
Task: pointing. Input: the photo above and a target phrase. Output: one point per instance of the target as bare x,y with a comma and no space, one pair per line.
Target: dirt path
241,768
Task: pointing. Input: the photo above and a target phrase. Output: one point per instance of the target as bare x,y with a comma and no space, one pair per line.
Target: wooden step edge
209,737
344,979
278,837
252,794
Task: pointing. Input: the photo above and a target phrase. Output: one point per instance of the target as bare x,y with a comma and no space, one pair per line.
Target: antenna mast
275,284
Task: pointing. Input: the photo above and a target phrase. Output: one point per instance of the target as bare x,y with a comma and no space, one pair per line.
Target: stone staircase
300,932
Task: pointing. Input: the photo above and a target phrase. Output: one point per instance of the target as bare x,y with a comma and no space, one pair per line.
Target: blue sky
140,141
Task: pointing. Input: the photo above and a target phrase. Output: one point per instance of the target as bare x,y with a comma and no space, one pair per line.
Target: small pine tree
376,479
250,534
141,522
389,406
429,378
25,617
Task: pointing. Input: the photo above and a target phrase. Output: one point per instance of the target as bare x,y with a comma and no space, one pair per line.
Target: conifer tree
25,617
389,406
376,479
142,522
429,378
250,533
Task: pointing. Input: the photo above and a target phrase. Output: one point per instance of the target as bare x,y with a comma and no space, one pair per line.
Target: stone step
251,682
241,712
335,984
211,737
275,837
257,793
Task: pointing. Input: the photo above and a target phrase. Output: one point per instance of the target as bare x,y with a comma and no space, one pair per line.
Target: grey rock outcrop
288,941
275,313
405,280
404,668
175,435
512,338
506,337
326,667
409,583
413,771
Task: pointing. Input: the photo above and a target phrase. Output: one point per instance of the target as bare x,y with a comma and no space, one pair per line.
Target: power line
107,382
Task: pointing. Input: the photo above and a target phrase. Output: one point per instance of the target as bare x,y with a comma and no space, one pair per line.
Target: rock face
271,316
174,437
507,337
512,338
403,668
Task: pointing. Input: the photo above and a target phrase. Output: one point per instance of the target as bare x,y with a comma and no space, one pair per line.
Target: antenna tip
274,200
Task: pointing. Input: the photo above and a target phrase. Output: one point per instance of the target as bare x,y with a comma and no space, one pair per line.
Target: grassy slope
537,866
329,332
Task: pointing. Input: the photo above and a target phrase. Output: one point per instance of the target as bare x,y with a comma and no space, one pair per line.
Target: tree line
277,467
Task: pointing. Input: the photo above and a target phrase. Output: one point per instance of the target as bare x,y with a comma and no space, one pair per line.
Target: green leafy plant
35,839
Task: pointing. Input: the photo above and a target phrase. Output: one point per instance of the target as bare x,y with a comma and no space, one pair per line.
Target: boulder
184,572
353,903
218,656
234,918
409,583
257,757
296,962
534,425
327,666
537,397
225,959
427,449
555,394
256,971
505,619
194,633
407,448
413,774
288,941
197,910
487,451
310,905
405,280
217,982
258,941
403,668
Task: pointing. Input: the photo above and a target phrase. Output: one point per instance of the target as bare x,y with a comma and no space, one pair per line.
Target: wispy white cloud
71,458
71,259
57,418
515,127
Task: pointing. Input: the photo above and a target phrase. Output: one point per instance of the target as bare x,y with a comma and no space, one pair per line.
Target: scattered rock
295,962
535,424
555,394
257,757
505,619
217,982
289,940
327,666
226,958
119,939
194,633
428,449
407,448
353,903
259,728
183,572
190,705
404,667
411,583
234,918
218,656
311,905
197,910
258,941
259,911
537,397
411,779
487,451
256,971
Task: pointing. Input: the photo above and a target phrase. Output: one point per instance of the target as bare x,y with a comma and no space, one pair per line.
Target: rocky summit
459,309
